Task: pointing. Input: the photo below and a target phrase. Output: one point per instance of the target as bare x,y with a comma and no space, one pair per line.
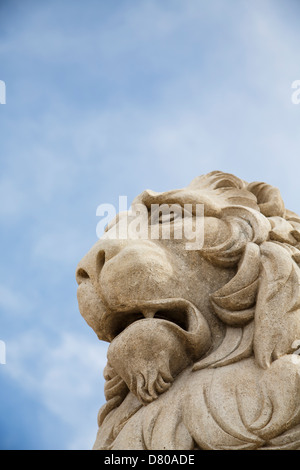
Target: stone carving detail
203,343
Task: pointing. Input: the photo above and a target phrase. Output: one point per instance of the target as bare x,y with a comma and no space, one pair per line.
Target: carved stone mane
203,343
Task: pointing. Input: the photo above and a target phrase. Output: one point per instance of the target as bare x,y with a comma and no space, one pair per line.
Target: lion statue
204,342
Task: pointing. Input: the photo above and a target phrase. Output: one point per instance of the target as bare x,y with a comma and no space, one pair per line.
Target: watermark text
158,221
2,352
296,94
2,92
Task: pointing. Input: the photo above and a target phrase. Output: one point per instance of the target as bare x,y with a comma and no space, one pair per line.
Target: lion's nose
92,263
90,267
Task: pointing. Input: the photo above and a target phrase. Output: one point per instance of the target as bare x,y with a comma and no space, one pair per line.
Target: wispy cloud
64,375
107,101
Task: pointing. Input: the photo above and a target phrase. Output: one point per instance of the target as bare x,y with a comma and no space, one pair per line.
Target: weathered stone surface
203,343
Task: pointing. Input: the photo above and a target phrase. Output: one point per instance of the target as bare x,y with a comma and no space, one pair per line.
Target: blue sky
108,98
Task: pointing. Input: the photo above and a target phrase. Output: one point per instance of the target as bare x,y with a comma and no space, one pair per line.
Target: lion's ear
277,313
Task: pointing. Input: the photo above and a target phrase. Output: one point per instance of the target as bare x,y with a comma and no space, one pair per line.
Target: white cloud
66,377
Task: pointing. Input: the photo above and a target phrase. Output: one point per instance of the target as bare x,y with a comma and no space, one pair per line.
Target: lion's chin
152,342
148,355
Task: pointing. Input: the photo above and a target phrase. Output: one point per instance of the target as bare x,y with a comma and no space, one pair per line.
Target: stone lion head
175,316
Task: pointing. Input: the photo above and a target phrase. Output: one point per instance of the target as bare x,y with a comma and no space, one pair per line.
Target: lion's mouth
179,312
